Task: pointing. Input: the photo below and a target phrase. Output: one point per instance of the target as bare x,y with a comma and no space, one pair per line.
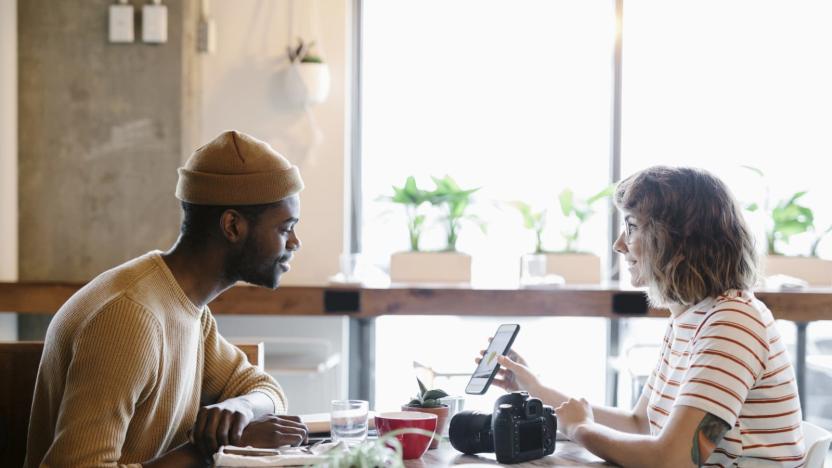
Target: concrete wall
8,156
103,128
243,88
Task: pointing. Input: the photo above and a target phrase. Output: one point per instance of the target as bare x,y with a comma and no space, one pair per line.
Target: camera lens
470,432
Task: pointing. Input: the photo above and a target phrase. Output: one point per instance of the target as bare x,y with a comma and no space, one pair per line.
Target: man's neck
198,272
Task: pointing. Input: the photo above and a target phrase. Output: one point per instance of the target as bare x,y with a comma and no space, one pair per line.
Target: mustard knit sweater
127,363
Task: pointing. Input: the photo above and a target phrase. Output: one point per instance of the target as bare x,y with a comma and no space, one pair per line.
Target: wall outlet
206,38
155,24
121,23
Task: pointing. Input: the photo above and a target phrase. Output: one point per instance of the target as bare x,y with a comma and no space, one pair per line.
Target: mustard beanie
237,169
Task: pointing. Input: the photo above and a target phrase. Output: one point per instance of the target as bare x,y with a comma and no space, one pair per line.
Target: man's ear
233,226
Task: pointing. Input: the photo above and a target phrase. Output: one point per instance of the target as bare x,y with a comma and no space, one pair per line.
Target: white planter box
575,268
815,271
430,267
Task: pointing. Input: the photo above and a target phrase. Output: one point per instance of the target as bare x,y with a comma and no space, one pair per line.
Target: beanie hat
237,169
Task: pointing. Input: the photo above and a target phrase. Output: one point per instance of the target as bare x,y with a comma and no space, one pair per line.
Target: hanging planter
308,80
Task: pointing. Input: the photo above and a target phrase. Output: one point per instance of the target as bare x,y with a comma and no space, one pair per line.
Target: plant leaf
565,199
434,394
422,388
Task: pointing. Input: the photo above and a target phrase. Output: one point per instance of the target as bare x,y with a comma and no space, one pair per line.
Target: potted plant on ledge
574,265
444,266
788,218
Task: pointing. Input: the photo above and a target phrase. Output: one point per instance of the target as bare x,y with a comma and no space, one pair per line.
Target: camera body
520,429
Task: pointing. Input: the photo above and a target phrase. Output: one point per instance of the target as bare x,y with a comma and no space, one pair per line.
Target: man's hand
572,414
221,424
272,431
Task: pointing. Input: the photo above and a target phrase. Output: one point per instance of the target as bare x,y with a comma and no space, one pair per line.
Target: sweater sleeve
114,365
228,373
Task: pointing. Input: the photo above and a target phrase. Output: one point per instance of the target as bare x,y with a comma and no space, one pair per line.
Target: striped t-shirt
725,356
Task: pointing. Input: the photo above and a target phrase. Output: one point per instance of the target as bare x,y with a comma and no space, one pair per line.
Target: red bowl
413,445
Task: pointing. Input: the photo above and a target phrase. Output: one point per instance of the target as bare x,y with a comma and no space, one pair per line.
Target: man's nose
294,243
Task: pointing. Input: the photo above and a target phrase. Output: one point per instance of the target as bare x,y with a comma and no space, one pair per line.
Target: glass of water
349,420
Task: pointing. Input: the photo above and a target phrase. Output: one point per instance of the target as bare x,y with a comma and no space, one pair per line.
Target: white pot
308,83
815,271
575,268
430,267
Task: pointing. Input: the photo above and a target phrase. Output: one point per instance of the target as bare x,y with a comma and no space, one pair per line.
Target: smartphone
488,367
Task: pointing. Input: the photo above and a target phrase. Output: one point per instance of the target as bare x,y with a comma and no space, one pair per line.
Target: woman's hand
514,373
573,414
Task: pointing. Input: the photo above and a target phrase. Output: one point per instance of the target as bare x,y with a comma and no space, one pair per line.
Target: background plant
411,197
427,398
533,220
785,219
302,53
579,211
386,451
453,201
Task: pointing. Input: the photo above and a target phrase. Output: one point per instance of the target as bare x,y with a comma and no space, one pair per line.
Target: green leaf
566,198
752,207
434,394
422,388
606,192
754,170
415,402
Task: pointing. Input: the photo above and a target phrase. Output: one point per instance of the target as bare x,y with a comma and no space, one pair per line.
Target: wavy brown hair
695,241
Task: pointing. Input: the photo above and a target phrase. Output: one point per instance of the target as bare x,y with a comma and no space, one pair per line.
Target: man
134,370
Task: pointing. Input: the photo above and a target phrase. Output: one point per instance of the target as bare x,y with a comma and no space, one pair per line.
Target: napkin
231,456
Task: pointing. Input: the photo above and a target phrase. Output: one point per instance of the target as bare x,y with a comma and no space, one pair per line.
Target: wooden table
566,454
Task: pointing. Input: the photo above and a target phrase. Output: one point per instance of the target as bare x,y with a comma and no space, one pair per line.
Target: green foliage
579,211
411,196
533,220
786,218
385,451
302,53
427,398
453,201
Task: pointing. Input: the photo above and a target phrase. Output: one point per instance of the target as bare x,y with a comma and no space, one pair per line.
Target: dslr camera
520,429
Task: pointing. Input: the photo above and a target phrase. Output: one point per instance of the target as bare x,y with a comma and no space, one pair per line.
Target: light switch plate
155,23
121,23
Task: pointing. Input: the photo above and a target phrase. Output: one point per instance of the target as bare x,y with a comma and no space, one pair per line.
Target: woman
723,392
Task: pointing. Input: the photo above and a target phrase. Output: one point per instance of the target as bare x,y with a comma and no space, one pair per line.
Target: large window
510,96
515,97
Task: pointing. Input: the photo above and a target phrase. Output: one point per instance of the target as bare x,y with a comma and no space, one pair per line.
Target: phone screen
488,367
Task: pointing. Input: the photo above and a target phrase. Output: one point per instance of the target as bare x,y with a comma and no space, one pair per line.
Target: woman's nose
620,245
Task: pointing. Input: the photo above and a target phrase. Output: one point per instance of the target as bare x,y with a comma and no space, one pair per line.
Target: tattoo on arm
706,437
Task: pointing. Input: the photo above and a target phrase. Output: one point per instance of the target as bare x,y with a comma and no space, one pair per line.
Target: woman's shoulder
743,306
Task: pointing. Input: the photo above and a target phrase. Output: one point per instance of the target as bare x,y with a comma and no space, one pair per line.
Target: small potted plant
570,263
787,218
308,79
444,266
428,401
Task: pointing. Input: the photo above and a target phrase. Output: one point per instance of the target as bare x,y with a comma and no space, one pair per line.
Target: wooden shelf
589,301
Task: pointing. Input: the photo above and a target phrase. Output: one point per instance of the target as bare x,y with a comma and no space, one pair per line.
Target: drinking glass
349,420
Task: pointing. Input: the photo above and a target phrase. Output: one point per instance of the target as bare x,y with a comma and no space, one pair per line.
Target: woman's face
629,245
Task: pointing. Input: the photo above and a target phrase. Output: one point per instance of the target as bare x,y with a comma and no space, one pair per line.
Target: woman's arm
688,439
513,371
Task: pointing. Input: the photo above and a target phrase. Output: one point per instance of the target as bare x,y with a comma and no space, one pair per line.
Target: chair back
19,363
817,440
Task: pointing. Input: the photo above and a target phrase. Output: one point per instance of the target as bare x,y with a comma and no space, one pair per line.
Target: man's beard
250,266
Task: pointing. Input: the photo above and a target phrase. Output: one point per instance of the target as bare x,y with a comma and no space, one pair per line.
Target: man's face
270,244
